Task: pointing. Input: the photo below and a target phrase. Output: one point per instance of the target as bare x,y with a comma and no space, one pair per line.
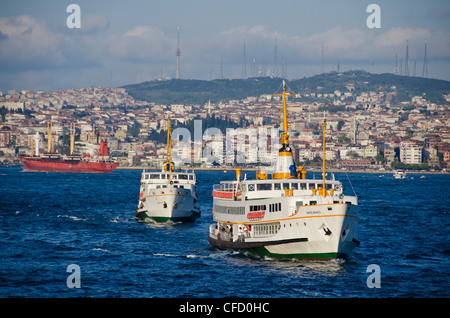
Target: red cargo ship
52,162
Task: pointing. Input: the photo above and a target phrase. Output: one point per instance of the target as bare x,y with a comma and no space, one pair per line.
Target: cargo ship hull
63,165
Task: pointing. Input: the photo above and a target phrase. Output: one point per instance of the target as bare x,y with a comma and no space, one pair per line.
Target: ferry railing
226,190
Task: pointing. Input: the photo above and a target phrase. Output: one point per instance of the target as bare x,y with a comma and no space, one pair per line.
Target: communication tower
178,52
425,64
407,60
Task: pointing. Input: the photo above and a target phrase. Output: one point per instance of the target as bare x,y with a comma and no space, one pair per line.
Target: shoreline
381,172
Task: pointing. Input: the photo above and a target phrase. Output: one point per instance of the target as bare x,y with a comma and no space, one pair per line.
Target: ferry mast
285,167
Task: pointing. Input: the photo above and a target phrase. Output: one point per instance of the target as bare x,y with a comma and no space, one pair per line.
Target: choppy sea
49,221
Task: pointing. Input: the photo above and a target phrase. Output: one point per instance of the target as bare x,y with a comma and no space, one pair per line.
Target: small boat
168,195
422,177
399,174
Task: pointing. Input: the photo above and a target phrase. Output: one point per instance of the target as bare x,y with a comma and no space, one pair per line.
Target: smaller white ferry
168,195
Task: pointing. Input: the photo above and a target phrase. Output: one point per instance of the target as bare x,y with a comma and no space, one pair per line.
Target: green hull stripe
192,218
262,251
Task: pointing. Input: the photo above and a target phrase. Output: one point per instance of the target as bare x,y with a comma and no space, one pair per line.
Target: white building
410,153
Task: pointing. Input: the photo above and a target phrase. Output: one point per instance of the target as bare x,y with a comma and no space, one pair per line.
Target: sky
128,42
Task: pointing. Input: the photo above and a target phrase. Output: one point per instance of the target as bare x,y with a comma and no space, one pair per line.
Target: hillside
200,92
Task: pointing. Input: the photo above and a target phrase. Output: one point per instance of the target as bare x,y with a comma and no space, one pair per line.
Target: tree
135,129
380,158
3,112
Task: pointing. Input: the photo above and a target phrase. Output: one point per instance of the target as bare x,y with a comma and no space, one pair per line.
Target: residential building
410,152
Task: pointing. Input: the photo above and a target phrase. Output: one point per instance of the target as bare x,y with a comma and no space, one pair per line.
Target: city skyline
120,43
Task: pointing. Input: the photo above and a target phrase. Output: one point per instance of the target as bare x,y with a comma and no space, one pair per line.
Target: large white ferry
167,195
283,214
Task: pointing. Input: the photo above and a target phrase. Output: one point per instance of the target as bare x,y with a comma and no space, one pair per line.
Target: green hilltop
201,91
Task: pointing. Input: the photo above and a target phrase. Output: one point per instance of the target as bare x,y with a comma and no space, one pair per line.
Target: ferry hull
263,249
303,236
296,249
62,165
168,207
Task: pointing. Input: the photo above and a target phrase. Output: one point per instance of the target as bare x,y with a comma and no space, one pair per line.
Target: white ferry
285,215
166,195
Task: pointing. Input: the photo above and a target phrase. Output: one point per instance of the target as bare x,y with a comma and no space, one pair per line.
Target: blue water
49,221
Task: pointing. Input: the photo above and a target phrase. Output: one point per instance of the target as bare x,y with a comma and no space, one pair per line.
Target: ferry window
312,202
312,186
154,176
303,186
264,186
294,186
174,177
146,176
270,207
328,186
191,177
182,176
277,186
298,203
275,207
285,185
158,186
251,187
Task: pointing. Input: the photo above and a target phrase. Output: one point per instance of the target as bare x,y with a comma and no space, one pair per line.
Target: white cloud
26,39
28,44
141,44
93,23
338,44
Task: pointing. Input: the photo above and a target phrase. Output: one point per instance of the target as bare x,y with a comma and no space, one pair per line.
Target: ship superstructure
283,214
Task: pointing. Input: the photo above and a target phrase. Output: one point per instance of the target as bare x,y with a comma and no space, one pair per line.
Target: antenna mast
323,66
178,52
425,64
396,64
407,60
244,65
274,71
